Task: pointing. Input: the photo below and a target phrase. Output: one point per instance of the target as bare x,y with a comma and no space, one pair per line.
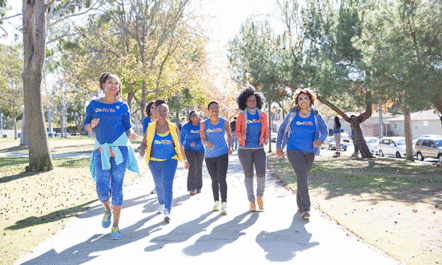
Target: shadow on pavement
221,235
282,245
82,252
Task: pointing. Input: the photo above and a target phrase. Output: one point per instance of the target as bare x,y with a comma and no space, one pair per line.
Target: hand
279,153
133,136
229,151
317,143
210,145
186,164
142,150
243,134
266,141
94,122
192,144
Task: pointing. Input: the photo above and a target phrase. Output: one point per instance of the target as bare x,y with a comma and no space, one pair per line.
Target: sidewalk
199,236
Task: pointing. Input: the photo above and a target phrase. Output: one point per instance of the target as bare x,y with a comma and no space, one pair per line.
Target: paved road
199,236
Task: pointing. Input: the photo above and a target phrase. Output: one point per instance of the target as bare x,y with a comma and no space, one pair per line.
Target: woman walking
193,148
252,132
109,118
337,135
216,151
302,131
150,115
163,151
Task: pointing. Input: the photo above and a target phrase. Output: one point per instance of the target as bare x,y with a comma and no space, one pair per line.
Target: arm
203,136
183,134
239,124
89,122
266,129
143,145
229,137
128,126
183,154
281,131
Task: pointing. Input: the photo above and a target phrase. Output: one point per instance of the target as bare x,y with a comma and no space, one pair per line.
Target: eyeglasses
303,99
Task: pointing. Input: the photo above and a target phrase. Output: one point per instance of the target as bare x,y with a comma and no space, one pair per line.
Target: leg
155,168
118,172
222,165
300,166
211,167
199,169
103,182
191,173
260,159
168,175
246,158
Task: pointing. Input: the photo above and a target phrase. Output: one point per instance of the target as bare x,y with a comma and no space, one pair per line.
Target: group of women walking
163,146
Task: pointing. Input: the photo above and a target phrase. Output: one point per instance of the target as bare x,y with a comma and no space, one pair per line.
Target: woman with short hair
302,131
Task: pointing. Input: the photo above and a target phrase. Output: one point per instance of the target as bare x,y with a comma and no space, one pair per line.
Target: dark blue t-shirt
303,133
191,134
162,146
114,120
146,122
253,130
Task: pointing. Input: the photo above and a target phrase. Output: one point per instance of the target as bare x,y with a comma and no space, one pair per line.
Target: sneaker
160,209
305,214
216,206
260,203
192,192
115,234
224,208
166,215
198,191
105,222
253,207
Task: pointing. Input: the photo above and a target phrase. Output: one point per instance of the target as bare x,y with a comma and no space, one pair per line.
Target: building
422,122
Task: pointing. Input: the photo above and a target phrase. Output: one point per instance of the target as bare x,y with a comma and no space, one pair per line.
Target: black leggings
195,173
217,167
302,165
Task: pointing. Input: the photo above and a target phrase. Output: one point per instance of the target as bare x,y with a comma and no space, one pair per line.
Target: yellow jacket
151,134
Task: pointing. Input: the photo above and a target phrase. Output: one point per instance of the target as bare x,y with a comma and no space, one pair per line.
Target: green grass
34,206
391,204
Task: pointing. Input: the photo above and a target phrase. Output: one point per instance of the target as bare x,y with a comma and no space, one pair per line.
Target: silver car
392,146
429,148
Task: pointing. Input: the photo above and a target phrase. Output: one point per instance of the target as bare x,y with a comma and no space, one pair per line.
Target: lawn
391,204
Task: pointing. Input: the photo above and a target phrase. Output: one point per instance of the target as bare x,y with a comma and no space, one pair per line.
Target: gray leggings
302,164
248,157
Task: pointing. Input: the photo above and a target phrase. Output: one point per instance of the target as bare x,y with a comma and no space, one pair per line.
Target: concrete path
199,236
63,155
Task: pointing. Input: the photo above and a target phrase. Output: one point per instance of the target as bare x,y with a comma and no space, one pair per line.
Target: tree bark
355,122
408,136
270,127
34,46
24,132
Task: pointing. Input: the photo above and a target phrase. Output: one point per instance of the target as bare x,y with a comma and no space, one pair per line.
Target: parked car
392,146
372,143
346,138
429,148
332,145
273,137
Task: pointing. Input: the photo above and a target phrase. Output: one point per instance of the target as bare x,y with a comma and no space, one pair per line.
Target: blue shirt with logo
215,134
253,134
146,122
162,147
303,133
191,134
114,120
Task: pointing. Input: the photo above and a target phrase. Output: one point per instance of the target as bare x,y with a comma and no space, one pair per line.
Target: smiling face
214,109
251,102
194,118
162,112
111,86
303,101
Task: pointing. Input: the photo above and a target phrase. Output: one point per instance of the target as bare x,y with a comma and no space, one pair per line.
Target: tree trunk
34,46
408,136
359,138
270,127
24,132
143,100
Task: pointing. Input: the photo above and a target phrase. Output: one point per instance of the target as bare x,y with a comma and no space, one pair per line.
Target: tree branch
11,17
73,15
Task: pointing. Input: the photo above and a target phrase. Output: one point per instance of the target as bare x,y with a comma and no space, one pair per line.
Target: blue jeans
112,178
234,141
163,173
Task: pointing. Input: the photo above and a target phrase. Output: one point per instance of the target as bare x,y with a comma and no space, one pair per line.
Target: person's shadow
221,235
282,245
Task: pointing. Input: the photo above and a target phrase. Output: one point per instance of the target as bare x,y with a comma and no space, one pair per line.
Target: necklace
305,114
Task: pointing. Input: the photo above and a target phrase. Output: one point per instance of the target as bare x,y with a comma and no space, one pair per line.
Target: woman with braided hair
109,118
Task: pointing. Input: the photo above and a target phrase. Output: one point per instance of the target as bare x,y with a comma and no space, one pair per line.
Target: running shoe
115,234
105,222
260,203
160,209
198,191
192,192
216,206
166,215
224,208
253,207
305,214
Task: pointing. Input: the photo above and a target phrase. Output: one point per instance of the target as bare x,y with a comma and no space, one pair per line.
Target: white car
273,137
372,144
392,146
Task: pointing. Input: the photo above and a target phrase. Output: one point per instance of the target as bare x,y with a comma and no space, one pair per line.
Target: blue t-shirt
191,134
162,147
114,120
337,130
253,131
146,122
303,133
215,134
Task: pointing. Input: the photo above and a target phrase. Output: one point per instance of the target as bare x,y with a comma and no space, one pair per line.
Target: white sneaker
166,215
216,206
160,209
224,208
